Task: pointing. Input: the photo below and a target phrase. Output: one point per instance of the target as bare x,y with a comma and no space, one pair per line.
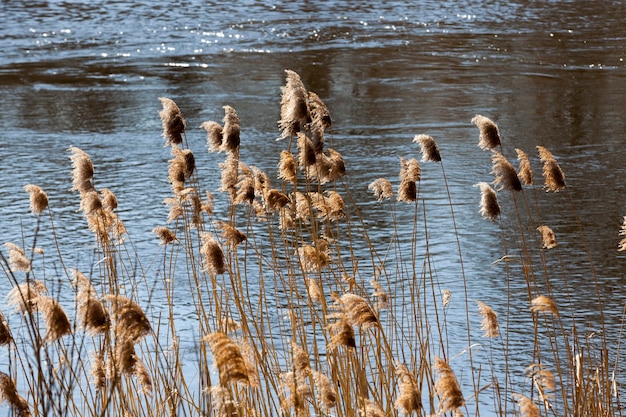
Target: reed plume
622,232
294,111
410,398
489,321
82,171
215,135
410,172
56,322
276,200
342,333
506,176
230,362
314,258
525,173
230,174
547,236
5,332
428,148
314,288
489,206
38,198
98,370
231,130
230,234
380,295
221,402
446,296
212,254
109,199
165,234
91,314
24,296
326,394
370,409
301,362
358,311
526,406
142,374
544,304
9,394
131,323
448,388
299,391
307,155
552,172
17,258
489,134
287,167
319,112
173,122
381,188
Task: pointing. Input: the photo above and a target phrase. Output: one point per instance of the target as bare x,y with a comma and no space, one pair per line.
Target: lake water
550,73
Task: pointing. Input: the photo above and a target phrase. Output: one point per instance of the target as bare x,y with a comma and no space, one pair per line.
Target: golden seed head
294,111
38,198
173,122
552,172
429,148
525,173
489,134
506,176
490,320
489,206
547,236
382,189
447,386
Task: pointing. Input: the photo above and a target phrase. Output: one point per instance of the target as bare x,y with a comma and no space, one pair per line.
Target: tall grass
297,310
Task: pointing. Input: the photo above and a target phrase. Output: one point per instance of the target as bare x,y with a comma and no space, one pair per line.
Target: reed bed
298,311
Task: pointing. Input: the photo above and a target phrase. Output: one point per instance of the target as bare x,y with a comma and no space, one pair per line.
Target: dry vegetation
364,334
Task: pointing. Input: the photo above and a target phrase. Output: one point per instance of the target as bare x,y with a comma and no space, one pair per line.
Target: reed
297,310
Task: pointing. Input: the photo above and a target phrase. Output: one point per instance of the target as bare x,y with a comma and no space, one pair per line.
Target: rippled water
550,73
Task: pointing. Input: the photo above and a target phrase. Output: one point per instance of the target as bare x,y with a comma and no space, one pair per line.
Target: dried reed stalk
489,134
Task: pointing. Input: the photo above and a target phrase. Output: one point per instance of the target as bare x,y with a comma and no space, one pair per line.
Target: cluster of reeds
296,309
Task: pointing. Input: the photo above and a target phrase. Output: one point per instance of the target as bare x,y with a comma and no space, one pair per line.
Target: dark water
551,73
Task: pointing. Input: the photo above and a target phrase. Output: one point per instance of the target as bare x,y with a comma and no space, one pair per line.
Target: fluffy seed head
8,393
231,131
230,234
165,234
622,232
489,134
489,206
525,173
381,188
173,122
82,170
287,167
490,320
294,112
552,172
229,359
319,112
370,409
547,236
410,397
527,407
56,322
131,323
326,394
543,304
91,314
24,296
213,254
5,332
307,155
447,386
358,311
429,148
17,258
505,174
214,135
38,198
